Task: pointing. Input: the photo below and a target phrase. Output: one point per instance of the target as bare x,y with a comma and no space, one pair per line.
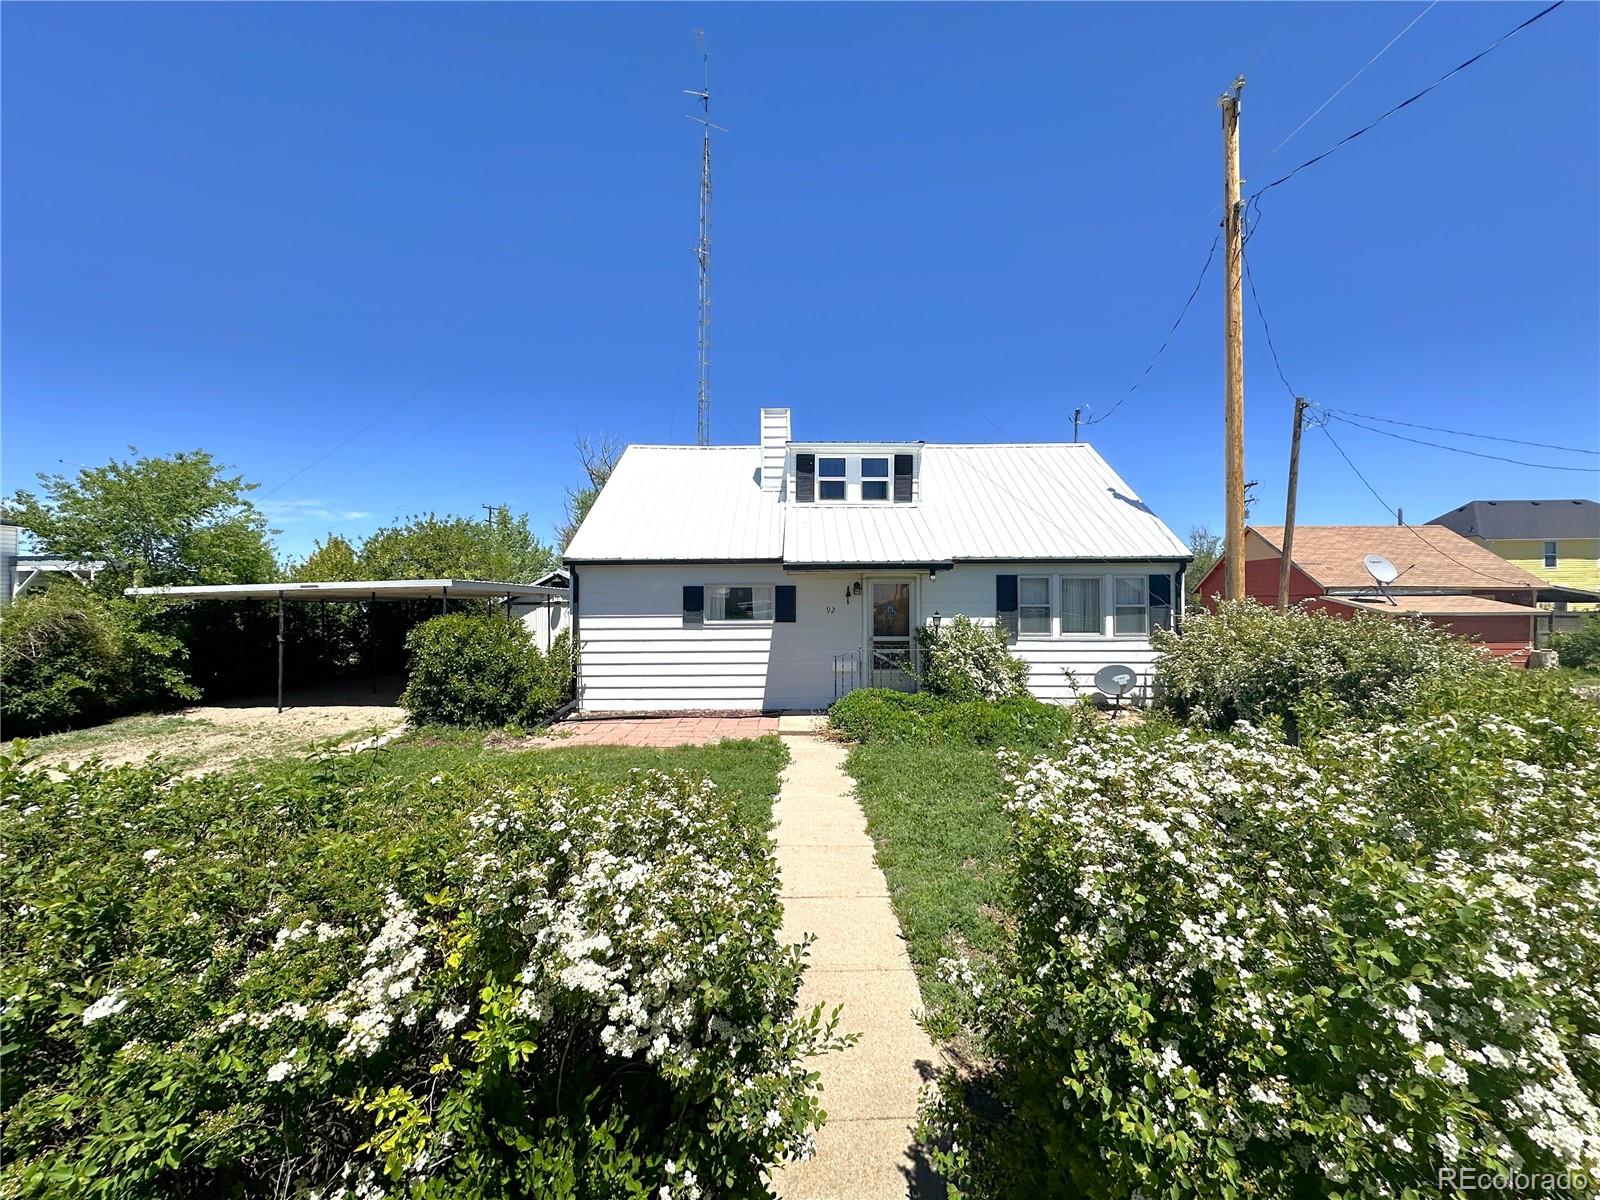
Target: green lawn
748,769
934,812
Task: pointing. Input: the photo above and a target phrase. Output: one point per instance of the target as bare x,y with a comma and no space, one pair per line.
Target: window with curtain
1033,605
739,602
1080,604
1131,614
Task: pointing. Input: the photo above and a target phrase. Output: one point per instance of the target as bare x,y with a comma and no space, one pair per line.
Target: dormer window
831,479
874,478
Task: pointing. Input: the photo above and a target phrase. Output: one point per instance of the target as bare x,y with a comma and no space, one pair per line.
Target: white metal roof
360,589
1039,501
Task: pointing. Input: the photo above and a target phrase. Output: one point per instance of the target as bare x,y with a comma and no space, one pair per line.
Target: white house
782,575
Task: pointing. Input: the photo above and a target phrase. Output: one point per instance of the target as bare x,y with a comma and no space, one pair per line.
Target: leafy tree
70,656
333,560
154,521
598,459
1207,550
502,547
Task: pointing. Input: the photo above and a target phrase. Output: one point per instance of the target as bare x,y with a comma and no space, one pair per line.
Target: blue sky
258,229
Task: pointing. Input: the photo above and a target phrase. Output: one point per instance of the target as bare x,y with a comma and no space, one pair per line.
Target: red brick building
1446,578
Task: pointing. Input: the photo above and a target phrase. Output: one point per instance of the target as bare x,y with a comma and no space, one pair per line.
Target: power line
1266,328
1520,462
393,408
1488,437
1353,78
1348,138
1395,513
1210,254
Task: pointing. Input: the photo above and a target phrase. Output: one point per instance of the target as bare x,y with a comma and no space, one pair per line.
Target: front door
890,650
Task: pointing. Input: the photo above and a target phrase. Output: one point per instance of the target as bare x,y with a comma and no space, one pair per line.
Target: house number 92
832,608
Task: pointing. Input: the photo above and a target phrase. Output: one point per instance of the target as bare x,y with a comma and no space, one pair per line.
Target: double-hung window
1081,608
1033,607
1550,556
739,602
1131,600
874,478
830,479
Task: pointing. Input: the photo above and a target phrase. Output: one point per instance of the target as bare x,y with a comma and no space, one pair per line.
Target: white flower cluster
1379,955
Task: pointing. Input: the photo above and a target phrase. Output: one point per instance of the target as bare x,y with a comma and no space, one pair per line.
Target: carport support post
280,651
372,640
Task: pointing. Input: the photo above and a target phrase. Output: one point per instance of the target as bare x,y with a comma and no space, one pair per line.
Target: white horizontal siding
638,655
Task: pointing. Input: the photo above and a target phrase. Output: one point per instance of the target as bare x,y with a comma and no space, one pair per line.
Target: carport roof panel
360,589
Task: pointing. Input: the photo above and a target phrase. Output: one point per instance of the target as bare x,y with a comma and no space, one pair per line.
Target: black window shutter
902,479
694,604
1005,604
805,478
783,602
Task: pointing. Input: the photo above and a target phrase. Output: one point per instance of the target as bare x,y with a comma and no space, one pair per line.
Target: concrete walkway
832,888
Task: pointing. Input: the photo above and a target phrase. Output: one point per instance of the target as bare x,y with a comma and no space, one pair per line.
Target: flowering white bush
334,985
1245,968
1248,662
965,660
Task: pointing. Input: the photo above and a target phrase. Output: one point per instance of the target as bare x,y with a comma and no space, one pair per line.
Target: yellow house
1557,540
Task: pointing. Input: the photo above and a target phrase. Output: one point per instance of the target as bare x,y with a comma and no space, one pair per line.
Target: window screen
1550,556
1034,604
1080,605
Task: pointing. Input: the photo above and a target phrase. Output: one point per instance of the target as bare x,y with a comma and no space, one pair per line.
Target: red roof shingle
1425,556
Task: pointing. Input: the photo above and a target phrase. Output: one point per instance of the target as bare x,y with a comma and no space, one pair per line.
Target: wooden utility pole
1288,505
1233,328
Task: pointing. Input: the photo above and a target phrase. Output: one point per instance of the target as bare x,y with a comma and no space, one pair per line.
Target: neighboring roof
1437,606
359,589
1543,520
1048,501
554,579
1427,556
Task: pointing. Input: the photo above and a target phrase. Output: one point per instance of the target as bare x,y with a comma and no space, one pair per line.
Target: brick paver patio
657,731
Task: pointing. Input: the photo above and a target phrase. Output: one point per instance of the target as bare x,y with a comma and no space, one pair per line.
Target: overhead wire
1488,437
1338,91
1395,513
1410,100
1520,462
1167,341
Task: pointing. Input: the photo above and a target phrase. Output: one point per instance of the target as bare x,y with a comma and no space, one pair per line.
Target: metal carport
370,590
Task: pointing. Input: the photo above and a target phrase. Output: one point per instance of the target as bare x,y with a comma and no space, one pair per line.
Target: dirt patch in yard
213,736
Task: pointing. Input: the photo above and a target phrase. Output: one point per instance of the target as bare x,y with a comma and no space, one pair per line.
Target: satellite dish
1380,568
1116,680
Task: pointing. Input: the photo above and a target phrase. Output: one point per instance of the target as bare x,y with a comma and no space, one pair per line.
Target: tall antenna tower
702,250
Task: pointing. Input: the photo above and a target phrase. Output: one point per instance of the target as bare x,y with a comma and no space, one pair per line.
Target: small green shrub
1580,649
334,982
1247,662
483,671
965,660
70,657
1020,722
883,715
1248,968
